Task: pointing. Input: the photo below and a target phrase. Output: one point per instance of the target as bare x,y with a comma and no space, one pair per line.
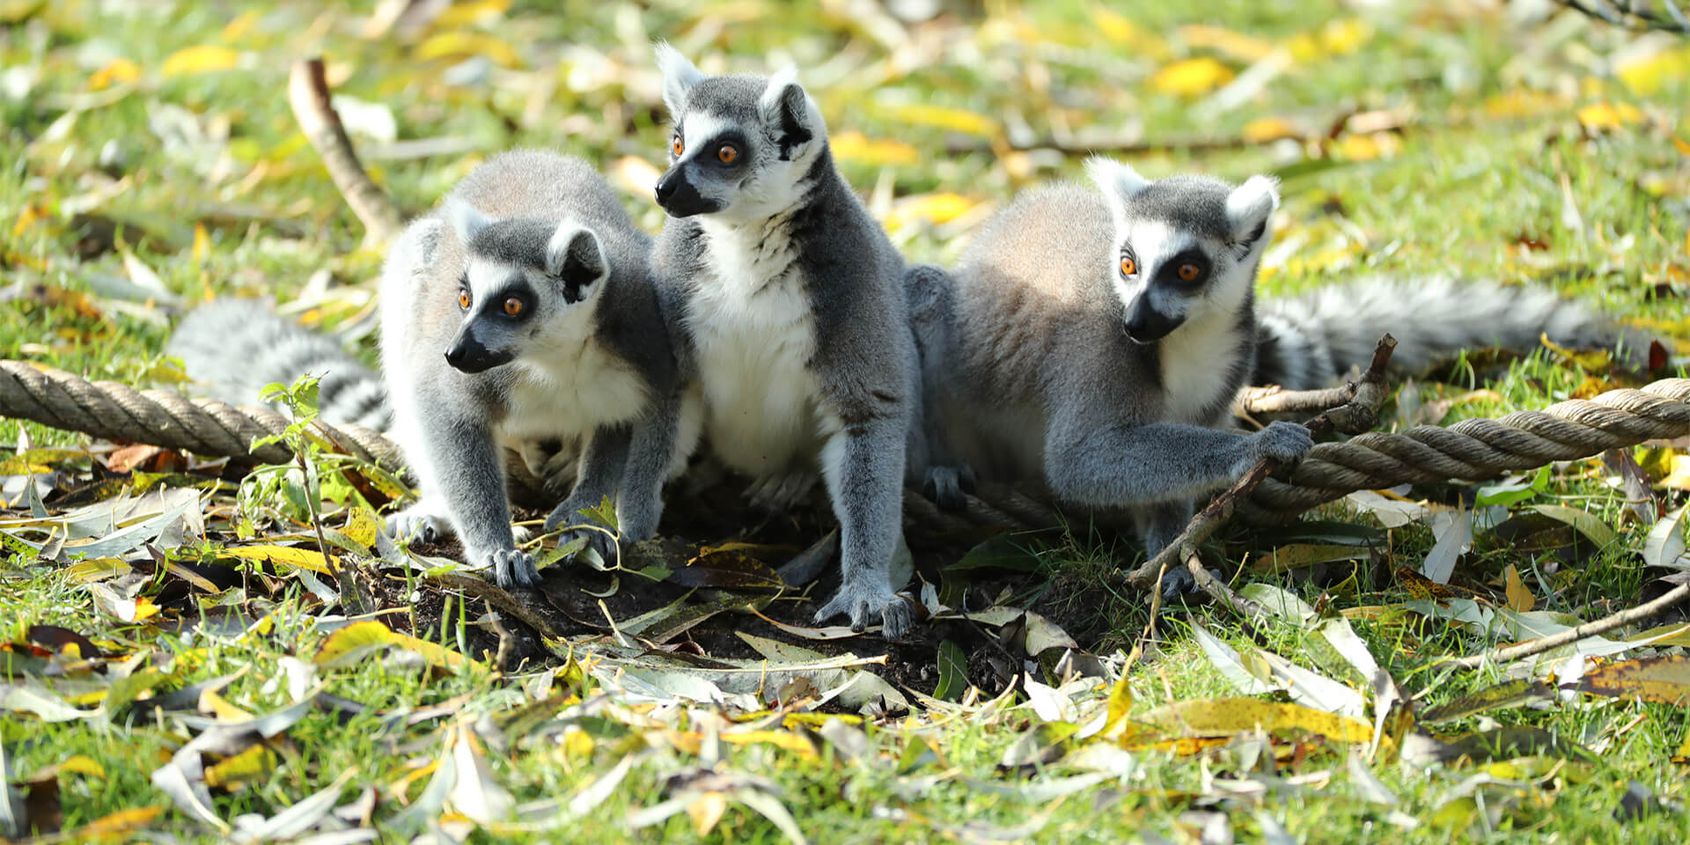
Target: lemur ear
419,243
1249,206
1118,181
573,254
787,110
679,77
466,219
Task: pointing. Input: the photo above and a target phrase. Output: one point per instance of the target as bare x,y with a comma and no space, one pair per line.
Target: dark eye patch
730,136
493,305
1169,271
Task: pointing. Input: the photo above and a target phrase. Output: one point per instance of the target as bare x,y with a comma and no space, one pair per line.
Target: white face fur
1168,276
521,308
773,141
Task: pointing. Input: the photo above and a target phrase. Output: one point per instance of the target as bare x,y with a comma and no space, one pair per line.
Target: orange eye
463,299
677,146
1188,272
1129,267
726,154
513,306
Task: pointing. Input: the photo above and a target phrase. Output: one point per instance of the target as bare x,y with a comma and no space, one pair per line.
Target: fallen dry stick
1360,413
1608,623
308,93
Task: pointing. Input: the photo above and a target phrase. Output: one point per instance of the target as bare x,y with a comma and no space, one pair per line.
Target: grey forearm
472,481
639,505
866,489
1159,462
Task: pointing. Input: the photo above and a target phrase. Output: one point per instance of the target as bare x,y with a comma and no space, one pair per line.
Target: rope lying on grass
1470,450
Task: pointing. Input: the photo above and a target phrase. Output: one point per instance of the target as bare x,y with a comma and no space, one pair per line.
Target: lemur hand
1286,442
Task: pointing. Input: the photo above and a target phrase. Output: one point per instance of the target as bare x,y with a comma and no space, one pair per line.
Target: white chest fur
751,321
1195,361
575,386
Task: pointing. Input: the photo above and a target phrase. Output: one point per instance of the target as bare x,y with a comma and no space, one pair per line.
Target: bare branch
1608,623
308,93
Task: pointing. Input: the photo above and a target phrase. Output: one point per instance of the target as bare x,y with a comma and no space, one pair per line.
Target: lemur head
1186,247
524,281
741,145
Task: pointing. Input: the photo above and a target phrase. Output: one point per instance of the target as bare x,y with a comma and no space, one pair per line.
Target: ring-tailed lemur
789,294
523,311
1094,337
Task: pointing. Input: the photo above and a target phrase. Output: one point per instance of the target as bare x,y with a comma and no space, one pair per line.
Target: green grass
1484,158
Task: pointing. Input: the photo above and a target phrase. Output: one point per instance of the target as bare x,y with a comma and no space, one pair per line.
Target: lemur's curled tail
1312,340
234,347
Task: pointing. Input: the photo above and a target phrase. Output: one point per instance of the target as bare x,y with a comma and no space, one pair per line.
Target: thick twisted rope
165,418
1470,450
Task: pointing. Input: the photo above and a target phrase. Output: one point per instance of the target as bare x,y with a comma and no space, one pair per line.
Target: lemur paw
781,492
949,487
1286,442
551,462
514,568
862,604
419,522
1176,583
596,540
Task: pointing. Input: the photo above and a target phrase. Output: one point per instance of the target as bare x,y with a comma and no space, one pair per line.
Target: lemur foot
514,568
1286,442
551,462
781,492
949,487
420,521
862,603
596,540
1176,583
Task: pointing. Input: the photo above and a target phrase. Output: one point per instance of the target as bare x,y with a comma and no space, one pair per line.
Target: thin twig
1274,401
308,93
1608,623
1359,413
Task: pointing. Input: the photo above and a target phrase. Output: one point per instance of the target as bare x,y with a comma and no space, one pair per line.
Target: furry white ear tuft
1118,181
679,77
788,111
573,253
466,219
1249,206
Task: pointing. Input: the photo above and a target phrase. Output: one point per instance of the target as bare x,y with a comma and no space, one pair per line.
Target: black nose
666,187
456,355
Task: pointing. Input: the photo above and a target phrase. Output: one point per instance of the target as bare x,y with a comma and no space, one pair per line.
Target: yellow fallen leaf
1608,116
203,58
854,146
1236,45
1345,36
116,72
202,243
1645,75
242,770
705,811
362,527
1523,102
478,13
1664,679
1519,598
1264,130
946,117
936,209
1191,77
1679,477
1220,717
284,555
459,43
1366,147
83,765
115,824
370,632
238,28
787,740
1114,26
